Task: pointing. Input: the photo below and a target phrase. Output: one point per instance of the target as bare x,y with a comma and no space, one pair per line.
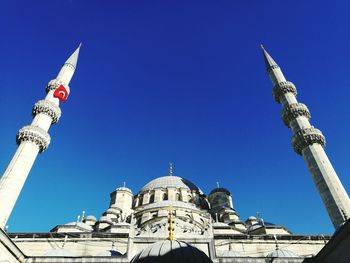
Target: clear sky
180,81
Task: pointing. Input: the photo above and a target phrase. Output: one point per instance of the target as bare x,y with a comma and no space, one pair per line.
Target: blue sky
175,80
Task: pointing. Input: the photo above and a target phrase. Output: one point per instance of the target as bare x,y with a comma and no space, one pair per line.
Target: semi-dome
171,251
281,253
170,181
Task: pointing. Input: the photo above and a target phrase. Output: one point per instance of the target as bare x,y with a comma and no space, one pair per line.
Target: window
151,199
165,196
189,198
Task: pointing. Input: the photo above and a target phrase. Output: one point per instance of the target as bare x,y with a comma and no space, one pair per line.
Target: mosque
170,219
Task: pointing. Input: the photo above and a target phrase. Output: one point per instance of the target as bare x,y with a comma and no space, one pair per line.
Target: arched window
165,196
177,197
151,198
140,200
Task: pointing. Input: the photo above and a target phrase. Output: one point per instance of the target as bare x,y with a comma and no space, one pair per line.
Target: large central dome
170,181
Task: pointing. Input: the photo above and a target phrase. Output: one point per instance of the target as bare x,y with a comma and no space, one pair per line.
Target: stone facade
128,226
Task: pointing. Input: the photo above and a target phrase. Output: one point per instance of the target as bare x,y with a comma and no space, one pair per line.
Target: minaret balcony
54,84
293,111
306,137
283,88
49,108
35,135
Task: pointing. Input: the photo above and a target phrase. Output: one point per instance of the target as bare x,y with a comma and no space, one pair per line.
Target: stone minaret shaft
309,142
34,139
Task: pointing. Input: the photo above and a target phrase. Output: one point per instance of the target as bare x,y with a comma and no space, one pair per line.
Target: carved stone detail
49,108
283,88
293,111
54,84
34,134
306,137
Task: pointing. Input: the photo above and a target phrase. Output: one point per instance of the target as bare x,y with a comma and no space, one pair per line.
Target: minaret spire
68,68
309,142
272,68
269,62
34,138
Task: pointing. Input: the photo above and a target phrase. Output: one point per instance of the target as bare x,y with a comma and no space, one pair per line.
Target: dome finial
171,224
217,185
170,169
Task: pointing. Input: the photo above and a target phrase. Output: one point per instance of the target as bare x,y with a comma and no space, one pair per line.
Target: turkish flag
61,93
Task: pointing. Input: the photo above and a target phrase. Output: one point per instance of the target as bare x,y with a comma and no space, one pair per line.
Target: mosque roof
281,253
170,181
171,251
109,253
78,224
58,252
220,224
229,254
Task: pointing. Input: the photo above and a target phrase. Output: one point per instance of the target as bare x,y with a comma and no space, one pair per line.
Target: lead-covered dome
220,190
171,251
170,181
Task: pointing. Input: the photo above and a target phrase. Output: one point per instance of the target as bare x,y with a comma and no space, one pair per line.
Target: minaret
34,138
309,142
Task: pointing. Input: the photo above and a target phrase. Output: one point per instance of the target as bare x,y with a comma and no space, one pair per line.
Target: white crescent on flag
61,93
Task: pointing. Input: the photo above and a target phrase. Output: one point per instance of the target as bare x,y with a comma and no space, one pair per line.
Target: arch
151,198
140,200
177,197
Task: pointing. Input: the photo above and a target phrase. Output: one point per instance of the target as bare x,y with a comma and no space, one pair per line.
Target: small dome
114,206
220,190
170,251
123,188
105,219
170,181
282,253
91,218
59,252
252,218
113,211
109,253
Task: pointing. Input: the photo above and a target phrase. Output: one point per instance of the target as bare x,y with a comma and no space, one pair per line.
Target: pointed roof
73,59
269,62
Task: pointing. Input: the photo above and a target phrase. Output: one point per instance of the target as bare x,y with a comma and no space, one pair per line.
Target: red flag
61,93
